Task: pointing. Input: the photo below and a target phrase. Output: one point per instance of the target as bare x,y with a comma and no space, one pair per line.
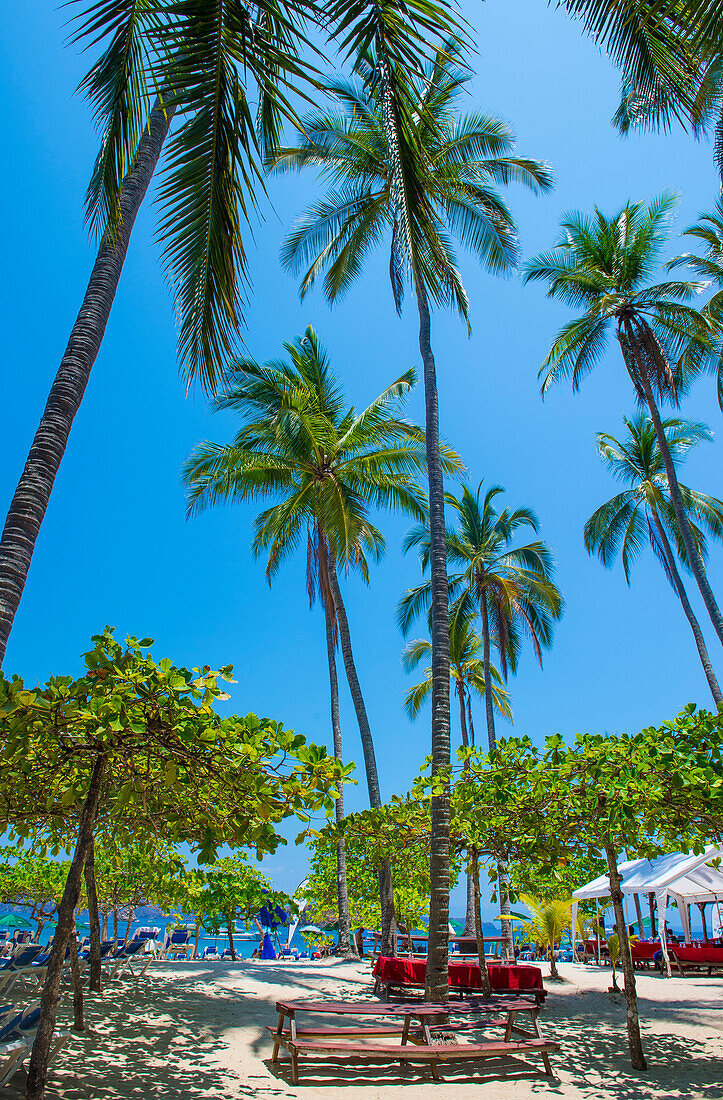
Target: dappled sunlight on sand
197,1032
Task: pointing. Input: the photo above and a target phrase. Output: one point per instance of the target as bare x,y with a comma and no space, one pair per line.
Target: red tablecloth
691,953
644,949
468,975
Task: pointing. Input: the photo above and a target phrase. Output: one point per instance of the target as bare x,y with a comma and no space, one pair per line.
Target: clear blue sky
116,548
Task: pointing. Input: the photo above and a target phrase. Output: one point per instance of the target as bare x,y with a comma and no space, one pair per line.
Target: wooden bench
417,1051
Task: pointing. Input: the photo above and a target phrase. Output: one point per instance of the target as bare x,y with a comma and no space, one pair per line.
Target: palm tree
708,231
204,63
604,265
643,513
405,168
467,676
670,54
466,672
324,465
550,919
512,590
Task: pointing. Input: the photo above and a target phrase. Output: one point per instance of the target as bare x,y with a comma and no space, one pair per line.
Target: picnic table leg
511,1016
545,1056
294,1067
279,1031
405,1036
428,1039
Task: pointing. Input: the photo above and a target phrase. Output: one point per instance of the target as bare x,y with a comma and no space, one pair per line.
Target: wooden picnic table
413,1029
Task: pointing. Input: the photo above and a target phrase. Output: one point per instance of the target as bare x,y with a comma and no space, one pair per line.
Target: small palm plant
550,920
643,512
603,266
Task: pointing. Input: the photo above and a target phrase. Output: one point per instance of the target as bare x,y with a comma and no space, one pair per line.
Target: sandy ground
196,1031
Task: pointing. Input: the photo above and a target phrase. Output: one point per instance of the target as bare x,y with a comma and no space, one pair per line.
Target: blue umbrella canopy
271,916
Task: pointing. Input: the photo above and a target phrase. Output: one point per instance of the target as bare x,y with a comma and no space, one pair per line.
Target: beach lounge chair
177,943
17,1034
120,960
17,964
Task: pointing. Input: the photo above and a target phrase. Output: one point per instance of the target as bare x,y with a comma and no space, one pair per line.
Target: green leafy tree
231,891
399,832
325,465
31,879
603,265
405,168
644,514
193,69
135,745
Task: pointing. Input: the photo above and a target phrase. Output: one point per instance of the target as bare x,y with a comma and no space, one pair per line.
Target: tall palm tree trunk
437,980
386,891
503,881
489,708
689,613
42,1046
30,502
346,944
696,562
469,926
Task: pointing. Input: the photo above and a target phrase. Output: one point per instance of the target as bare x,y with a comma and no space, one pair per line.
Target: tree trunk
554,972
129,922
347,947
78,1021
95,969
694,558
689,613
503,882
229,929
469,924
701,906
489,708
115,924
469,718
30,502
482,958
38,1067
635,1043
386,891
104,932
437,980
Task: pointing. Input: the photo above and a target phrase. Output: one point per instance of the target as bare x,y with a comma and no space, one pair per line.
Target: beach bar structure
677,876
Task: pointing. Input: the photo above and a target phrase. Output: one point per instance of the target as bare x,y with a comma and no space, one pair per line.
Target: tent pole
597,929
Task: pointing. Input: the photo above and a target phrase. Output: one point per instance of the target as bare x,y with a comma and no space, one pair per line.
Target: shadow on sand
169,1036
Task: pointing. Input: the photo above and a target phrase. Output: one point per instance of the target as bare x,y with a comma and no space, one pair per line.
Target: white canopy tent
678,875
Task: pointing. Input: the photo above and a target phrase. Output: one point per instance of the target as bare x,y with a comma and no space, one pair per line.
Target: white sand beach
196,1031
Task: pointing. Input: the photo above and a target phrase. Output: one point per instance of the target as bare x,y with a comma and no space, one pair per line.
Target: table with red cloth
698,956
516,978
